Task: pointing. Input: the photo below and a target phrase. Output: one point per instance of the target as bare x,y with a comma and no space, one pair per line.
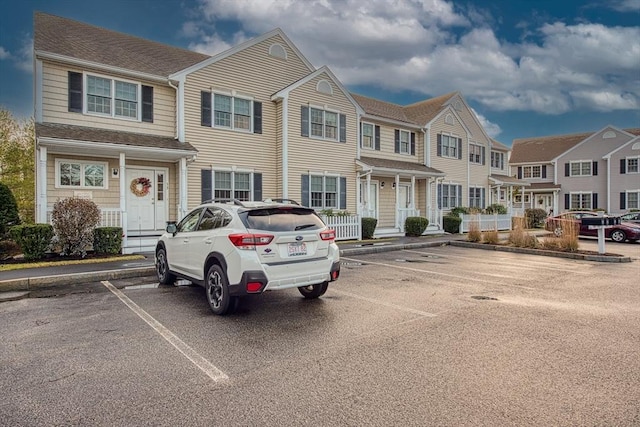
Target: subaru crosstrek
234,249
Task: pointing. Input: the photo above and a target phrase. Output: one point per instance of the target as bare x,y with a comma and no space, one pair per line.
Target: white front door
146,199
369,200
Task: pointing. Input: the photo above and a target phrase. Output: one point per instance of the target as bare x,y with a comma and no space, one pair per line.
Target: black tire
618,236
313,291
165,276
217,290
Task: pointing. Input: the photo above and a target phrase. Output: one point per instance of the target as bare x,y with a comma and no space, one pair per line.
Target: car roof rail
226,200
286,201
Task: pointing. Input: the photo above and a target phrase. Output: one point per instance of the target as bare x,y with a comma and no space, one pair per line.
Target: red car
618,233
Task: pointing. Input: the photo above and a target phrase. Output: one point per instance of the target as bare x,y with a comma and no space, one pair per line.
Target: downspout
178,109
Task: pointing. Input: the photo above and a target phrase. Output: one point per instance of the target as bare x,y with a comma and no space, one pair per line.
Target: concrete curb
542,252
373,249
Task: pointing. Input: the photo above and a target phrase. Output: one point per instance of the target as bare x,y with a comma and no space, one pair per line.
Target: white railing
109,217
347,227
485,222
403,213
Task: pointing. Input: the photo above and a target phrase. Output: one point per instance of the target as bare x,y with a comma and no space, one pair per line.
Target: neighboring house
577,171
506,190
148,131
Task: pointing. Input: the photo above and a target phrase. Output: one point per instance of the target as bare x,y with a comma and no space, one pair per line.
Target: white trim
285,148
147,151
124,217
42,185
408,152
329,89
634,140
182,206
180,110
37,91
113,80
98,66
373,137
391,121
324,110
233,95
82,163
571,162
279,54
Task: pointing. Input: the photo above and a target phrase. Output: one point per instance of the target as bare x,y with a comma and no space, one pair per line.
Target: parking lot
435,336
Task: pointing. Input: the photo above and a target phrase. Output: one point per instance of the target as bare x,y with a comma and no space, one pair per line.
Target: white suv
238,248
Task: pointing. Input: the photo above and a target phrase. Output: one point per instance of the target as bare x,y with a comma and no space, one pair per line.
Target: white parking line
417,270
386,304
203,364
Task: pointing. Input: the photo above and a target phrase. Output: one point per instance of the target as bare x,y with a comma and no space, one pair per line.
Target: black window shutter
623,166
544,171
567,201
205,186
594,201
147,104
567,170
459,194
483,154
413,143
343,192
459,148
482,198
343,128
205,108
257,117
519,172
595,168
304,182
75,92
377,128
397,140
439,194
439,149
257,187
623,200
304,121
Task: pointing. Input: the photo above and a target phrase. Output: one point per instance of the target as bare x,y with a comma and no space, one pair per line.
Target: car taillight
250,241
328,234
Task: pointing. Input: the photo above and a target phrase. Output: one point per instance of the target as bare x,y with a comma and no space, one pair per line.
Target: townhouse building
594,170
148,131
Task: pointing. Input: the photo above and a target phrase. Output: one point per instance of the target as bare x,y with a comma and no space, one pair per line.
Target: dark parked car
617,233
631,217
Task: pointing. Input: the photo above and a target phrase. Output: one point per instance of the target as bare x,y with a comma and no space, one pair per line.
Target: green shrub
496,209
459,210
535,217
451,223
33,239
415,226
9,215
73,223
107,240
368,227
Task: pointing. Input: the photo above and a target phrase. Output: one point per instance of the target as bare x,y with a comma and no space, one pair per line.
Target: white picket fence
485,222
109,217
346,227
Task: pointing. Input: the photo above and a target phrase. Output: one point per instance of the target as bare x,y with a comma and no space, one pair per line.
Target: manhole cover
484,298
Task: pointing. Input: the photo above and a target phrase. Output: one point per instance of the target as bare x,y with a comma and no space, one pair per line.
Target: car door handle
185,240
208,241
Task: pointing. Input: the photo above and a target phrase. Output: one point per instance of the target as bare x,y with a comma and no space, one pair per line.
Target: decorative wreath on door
140,186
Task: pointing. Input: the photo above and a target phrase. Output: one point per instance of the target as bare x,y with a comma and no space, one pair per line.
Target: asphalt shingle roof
399,165
62,36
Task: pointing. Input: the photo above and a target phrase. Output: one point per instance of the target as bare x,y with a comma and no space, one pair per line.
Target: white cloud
492,129
4,54
435,46
625,5
24,59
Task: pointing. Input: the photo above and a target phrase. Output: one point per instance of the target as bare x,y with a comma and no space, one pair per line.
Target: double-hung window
475,154
532,171
80,174
497,160
476,197
231,112
324,192
232,185
324,124
632,164
368,135
449,146
632,200
581,200
405,142
112,97
449,196
580,168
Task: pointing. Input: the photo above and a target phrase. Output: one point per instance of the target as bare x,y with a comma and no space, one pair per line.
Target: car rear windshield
282,219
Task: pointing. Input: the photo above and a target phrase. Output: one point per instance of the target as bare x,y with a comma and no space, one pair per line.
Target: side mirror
172,228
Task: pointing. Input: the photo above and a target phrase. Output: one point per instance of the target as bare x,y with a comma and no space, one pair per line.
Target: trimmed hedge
368,227
451,223
414,226
33,239
107,240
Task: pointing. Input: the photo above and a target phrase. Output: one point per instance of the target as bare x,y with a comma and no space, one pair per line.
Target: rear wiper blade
302,227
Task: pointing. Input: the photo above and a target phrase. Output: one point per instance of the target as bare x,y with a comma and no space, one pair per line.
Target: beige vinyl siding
253,73
387,145
456,170
386,204
315,155
55,104
470,121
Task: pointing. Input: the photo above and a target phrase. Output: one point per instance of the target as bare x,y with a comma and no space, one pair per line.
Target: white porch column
182,203
427,202
413,192
41,200
397,185
367,199
123,199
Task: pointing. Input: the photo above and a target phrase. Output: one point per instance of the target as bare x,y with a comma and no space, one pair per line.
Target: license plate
297,249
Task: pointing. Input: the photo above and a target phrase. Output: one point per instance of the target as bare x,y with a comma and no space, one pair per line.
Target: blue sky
527,68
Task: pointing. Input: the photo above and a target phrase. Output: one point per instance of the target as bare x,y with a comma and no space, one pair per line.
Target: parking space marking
386,304
203,364
417,270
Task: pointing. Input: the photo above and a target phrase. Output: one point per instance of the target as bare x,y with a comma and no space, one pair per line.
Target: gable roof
77,40
497,145
424,111
547,148
383,109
